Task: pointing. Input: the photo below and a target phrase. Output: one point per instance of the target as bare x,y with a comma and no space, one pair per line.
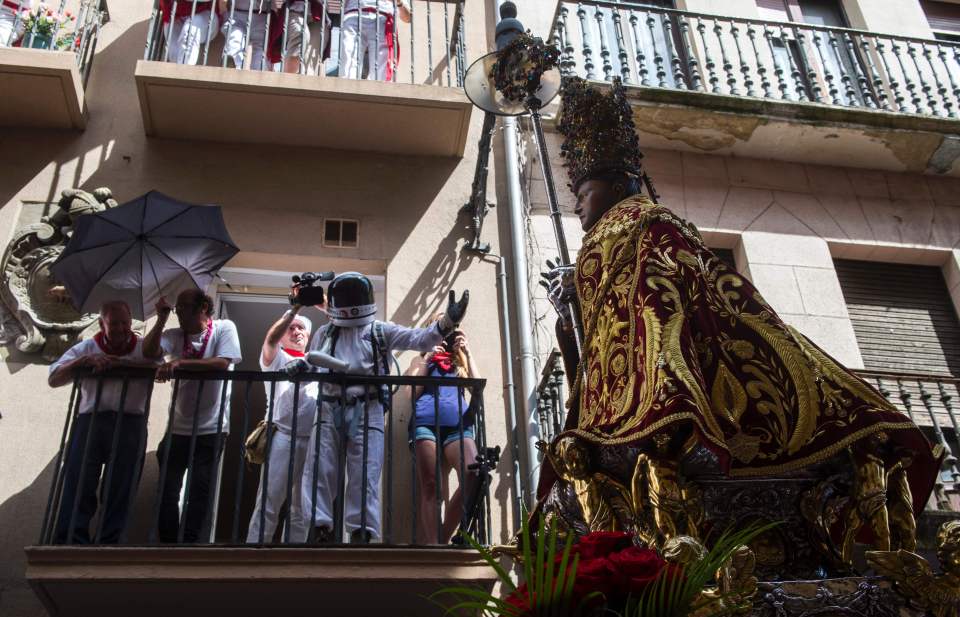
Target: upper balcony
241,78
787,91
45,67
230,544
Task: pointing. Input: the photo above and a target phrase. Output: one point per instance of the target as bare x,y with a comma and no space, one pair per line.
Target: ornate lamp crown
520,66
599,134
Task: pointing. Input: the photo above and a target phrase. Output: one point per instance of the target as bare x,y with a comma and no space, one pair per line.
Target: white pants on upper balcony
278,474
8,33
235,43
339,424
190,36
364,37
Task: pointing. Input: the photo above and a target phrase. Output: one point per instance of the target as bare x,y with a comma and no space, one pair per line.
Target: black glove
456,309
295,367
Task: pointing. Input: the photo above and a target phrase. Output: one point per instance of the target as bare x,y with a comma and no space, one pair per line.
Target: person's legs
172,480
196,501
319,512
451,455
276,483
425,451
377,48
358,502
234,37
75,468
296,31
193,36
124,476
350,64
298,526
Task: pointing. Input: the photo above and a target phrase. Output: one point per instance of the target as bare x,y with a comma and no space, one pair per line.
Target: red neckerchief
189,351
120,350
443,361
292,352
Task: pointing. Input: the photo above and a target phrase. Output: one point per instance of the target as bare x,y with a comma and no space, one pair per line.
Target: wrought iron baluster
567,62
845,79
794,69
678,77
604,50
949,460
727,65
898,97
941,88
657,58
761,68
622,56
585,42
828,76
777,67
924,85
905,400
693,67
642,70
954,86
945,400
744,67
429,44
915,99
709,62
862,81
812,76
880,92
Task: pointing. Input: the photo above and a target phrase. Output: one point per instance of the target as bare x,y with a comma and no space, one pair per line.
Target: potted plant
43,27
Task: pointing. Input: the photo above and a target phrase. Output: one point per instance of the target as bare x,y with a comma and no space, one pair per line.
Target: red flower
601,544
593,575
636,568
519,600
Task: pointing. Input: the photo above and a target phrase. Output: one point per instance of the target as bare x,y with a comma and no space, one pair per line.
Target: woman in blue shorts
442,414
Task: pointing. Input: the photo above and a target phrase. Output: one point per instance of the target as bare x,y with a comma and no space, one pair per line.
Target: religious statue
42,318
680,352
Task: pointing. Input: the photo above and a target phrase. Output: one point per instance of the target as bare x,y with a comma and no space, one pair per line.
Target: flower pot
39,41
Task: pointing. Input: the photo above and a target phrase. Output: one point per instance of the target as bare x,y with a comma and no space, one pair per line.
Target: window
902,316
944,19
726,256
341,233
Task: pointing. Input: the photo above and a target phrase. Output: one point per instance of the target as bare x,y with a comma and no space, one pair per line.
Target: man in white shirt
369,29
107,411
201,413
285,341
11,20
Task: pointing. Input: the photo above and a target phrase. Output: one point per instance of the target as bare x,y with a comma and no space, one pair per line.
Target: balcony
229,568
43,75
417,107
786,91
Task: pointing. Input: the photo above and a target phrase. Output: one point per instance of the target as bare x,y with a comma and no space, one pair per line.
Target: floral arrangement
520,66
45,23
606,574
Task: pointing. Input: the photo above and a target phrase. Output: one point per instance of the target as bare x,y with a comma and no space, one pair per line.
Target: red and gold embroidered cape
673,334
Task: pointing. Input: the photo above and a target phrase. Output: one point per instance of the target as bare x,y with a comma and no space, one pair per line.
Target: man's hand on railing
165,370
98,363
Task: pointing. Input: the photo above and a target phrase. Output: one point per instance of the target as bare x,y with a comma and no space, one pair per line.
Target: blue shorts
448,434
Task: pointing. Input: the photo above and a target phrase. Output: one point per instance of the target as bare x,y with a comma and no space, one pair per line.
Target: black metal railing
416,41
682,50
551,412
107,448
61,30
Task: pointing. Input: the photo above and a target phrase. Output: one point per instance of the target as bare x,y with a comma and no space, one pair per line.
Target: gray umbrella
150,247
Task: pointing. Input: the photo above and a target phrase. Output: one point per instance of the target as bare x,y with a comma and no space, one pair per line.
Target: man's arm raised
151,342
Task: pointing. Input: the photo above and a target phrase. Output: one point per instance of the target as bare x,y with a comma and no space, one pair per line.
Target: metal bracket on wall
478,206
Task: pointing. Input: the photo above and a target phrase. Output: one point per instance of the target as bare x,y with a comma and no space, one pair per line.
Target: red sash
293,352
121,350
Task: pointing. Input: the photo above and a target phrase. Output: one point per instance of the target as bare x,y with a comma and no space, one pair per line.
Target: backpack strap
380,349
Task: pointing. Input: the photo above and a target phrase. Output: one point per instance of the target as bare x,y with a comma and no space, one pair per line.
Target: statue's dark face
594,198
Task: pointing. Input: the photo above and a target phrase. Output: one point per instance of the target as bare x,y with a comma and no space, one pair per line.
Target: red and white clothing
369,31
219,340
137,389
195,22
11,25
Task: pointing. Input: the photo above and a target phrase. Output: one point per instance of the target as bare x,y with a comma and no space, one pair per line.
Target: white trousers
9,34
364,37
277,478
334,431
190,35
235,39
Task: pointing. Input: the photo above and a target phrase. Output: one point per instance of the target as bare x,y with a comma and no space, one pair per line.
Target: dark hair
199,298
631,184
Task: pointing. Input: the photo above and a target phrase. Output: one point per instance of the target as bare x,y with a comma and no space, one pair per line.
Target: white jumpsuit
339,424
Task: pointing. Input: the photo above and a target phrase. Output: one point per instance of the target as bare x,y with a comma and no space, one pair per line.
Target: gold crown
599,134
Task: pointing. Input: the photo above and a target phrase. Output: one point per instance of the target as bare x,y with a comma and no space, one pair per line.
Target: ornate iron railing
422,41
78,34
111,442
931,401
682,50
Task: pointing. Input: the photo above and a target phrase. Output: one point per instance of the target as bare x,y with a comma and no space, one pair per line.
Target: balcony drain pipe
507,28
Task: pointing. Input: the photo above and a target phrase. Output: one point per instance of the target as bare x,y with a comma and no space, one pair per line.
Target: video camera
309,293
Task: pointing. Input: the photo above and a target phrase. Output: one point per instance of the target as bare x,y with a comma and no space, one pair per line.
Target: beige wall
274,201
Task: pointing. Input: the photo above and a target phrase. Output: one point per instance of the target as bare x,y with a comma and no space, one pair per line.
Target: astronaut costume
352,337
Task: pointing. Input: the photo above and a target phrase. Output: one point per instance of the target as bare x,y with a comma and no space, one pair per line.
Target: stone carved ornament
35,311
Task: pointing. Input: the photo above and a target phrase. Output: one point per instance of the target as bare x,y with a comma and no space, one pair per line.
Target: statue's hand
561,291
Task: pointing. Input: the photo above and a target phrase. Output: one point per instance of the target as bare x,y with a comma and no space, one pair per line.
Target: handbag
255,446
